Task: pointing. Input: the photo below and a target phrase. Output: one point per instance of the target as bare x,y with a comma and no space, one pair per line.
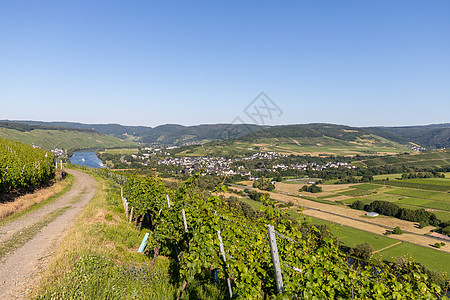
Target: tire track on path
20,269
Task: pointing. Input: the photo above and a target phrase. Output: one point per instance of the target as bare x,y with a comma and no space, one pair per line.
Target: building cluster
58,152
223,166
313,166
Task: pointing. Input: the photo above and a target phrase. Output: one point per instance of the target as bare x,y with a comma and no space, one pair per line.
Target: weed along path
27,243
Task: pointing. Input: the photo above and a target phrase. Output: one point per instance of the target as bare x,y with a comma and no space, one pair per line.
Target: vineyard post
143,243
131,214
125,205
184,220
168,201
275,258
222,251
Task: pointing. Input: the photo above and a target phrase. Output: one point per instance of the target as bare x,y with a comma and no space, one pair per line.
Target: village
263,161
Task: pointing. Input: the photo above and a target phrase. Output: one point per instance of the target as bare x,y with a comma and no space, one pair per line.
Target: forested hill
428,136
340,132
50,137
164,134
178,134
116,130
23,127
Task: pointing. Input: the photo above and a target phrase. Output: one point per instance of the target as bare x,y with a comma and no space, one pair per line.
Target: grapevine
313,266
23,167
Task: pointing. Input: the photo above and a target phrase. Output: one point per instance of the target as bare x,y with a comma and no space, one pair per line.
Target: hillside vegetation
436,158
23,167
429,136
69,139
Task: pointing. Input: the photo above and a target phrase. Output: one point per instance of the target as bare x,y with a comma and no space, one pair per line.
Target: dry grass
25,202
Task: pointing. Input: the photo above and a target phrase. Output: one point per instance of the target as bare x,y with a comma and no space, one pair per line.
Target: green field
122,151
415,185
432,195
356,192
351,237
366,186
390,176
67,139
433,259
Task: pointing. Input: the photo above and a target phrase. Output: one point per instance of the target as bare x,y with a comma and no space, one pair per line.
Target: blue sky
359,63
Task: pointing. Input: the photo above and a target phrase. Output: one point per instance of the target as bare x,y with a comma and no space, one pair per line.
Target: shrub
397,230
311,189
363,251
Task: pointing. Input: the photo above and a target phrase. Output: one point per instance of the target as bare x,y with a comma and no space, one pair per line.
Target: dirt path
19,269
390,246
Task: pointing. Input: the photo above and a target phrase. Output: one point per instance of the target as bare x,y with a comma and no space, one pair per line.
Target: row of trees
391,209
423,175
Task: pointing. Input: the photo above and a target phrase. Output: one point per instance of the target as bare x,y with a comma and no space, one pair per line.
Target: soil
20,269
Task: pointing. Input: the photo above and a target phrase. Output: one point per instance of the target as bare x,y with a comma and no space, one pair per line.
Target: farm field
432,195
122,151
433,259
436,158
346,216
351,237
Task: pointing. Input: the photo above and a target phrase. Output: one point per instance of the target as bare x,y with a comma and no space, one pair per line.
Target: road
21,267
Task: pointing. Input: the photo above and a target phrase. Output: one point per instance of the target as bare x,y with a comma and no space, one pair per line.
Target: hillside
168,134
429,136
436,158
56,137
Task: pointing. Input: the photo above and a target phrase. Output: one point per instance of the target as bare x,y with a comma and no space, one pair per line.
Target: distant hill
428,136
48,137
340,132
169,134
116,130
178,134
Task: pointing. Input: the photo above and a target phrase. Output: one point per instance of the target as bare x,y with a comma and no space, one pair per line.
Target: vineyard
23,167
256,256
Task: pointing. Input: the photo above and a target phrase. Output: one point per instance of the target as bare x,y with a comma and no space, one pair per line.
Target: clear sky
359,63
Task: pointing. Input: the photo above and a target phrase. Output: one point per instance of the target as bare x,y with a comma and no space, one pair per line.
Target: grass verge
31,202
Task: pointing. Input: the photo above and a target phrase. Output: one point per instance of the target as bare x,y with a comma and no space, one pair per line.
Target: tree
311,189
397,230
363,251
357,205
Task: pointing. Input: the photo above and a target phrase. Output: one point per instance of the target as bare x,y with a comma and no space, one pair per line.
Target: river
86,158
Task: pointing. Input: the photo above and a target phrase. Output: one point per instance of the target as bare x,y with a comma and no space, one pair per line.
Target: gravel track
20,269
